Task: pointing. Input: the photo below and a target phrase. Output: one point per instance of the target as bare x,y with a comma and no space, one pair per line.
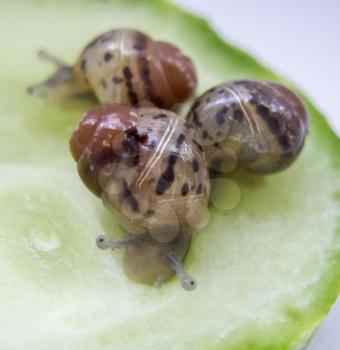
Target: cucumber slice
268,269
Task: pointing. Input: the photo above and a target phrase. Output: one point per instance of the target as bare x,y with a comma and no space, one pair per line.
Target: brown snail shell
147,165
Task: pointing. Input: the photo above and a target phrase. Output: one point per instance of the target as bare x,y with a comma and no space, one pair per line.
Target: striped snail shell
124,66
261,125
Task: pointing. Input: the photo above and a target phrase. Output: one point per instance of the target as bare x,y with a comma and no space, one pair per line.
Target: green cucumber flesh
268,270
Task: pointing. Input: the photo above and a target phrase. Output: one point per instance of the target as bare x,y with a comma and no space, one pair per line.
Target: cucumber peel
268,269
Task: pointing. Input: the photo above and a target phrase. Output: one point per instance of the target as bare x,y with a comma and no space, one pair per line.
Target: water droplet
42,235
45,242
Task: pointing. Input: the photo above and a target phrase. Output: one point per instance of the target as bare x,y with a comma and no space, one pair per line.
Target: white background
301,40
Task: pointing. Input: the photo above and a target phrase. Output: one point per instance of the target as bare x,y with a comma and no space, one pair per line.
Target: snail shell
147,165
124,66
262,125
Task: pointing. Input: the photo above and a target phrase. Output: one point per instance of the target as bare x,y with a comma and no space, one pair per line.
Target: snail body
148,167
153,263
124,66
262,125
149,262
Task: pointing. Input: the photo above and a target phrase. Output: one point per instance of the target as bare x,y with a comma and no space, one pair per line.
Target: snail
124,66
149,168
261,125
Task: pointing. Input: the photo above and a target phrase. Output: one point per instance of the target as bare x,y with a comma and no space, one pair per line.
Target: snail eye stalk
106,242
188,282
